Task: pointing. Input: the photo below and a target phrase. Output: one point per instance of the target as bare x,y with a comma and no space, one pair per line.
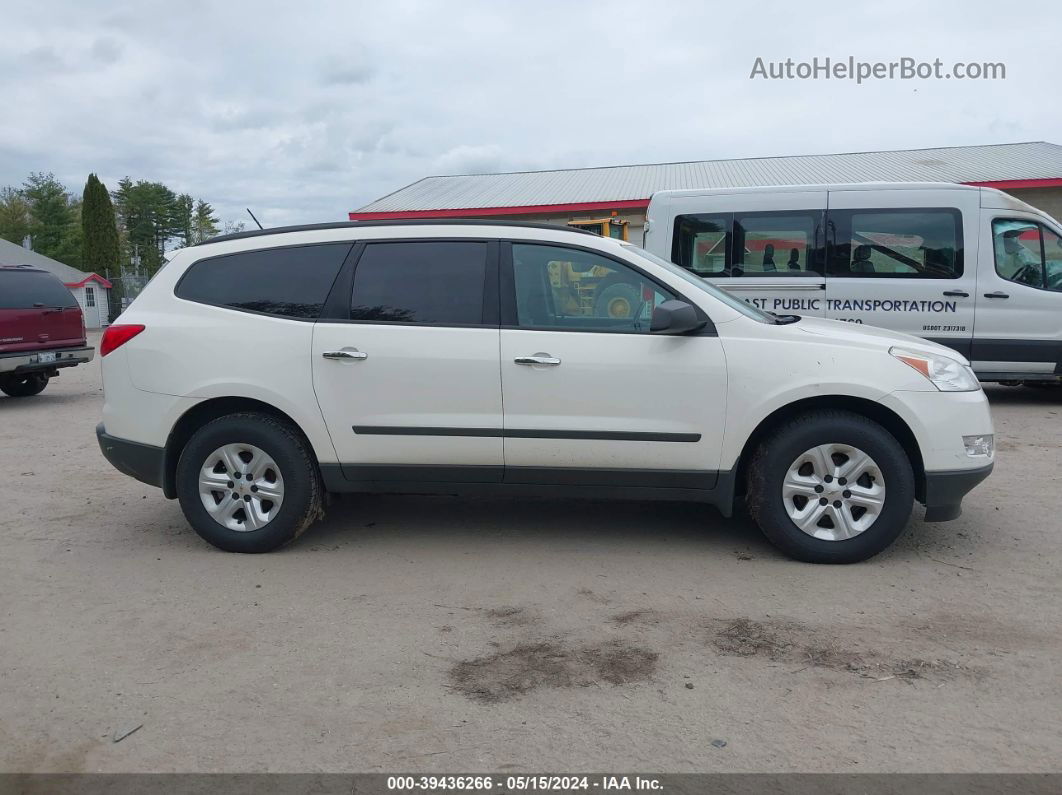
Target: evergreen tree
54,223
184,208
150,218
99,228
205,223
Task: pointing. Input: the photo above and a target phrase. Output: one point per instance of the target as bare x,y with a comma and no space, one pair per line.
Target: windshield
748,310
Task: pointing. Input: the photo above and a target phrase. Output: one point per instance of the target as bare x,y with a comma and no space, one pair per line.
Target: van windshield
748,310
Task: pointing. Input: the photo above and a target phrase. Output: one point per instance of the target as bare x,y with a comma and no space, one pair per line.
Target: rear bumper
29,361
144,462
945,490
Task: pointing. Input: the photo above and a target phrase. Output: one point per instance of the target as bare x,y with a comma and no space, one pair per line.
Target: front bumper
29,361
144,462
945,490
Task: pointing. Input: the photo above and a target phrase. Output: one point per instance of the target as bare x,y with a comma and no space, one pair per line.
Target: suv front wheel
247,483
831,487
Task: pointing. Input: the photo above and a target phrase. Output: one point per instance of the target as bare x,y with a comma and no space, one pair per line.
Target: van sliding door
904,260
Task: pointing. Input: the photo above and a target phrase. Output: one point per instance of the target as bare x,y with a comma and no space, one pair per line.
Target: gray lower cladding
519,433
716,488
945,490
144,462
1004,350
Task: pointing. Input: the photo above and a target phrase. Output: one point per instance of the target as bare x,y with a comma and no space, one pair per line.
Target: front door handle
538,358
346,353
956,294
996,294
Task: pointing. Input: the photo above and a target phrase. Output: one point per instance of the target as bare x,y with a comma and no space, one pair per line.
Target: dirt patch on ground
507,675
511,616
634,617
794,643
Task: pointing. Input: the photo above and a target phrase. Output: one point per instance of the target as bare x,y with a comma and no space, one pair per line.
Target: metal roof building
1032,171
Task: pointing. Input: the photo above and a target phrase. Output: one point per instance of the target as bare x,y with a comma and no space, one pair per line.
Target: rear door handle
996,294
346,353
538,358
956,294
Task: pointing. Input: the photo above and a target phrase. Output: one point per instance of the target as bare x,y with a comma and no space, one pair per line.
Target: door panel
410,377
409,400
588,393
890,257
1018,327
631,401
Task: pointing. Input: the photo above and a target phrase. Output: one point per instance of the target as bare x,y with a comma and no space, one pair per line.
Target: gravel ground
438,634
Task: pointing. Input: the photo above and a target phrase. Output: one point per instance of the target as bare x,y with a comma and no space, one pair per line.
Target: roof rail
278,230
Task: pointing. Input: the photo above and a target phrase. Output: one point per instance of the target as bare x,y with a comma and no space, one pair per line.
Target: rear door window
24,289
427,282
288,282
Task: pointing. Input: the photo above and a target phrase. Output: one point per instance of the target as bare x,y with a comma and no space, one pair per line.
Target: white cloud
304,112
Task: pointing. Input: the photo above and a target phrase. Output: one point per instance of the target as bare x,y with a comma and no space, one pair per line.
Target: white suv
261,370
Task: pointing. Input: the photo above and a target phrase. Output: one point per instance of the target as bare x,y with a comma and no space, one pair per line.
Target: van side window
701,244
1027,253
916,243
289,282
775,244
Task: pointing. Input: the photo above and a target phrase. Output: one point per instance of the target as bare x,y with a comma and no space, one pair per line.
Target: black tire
616,295
302,503
776,454
28,385
23,385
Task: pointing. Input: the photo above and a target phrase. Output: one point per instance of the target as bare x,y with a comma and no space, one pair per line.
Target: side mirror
675,317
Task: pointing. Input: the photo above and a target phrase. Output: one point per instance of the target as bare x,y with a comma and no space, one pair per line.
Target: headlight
947,374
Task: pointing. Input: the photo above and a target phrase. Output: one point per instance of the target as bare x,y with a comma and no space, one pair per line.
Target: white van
970,268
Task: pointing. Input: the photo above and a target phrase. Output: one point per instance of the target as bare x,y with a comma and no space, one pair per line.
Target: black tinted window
921,243
291,282
420,282
21,289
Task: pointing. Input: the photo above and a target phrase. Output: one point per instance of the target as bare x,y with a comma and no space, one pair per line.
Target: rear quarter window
287,282
23,289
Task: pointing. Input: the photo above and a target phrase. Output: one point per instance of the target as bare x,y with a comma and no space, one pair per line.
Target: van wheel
831,487
248,483
24,385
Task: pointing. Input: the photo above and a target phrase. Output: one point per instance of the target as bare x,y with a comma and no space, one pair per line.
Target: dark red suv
41,330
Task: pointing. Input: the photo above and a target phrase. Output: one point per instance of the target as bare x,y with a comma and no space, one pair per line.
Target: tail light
116,336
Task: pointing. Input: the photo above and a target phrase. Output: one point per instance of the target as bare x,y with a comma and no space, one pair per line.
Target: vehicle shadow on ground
999,395
44,400
552,521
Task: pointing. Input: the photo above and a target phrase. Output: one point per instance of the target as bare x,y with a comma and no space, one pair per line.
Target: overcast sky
305,111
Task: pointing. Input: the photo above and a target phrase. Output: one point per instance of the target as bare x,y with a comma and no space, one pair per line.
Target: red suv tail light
116,336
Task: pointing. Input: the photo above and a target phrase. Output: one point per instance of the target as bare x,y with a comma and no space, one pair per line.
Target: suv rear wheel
247,483
23,385
831,487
